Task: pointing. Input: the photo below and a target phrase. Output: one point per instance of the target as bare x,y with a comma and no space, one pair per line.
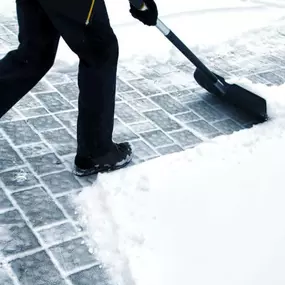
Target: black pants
40,26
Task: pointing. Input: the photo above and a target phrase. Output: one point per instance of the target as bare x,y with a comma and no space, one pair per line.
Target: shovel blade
236,95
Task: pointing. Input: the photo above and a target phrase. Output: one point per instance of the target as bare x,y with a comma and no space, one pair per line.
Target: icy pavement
40,238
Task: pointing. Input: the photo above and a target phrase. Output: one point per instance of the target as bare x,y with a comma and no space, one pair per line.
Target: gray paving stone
169,104
59,233
37,269
146,87
161,118
143,104
35,150
15,235
9,157
185,138
122,86
69,90
54,102
18,179
13,28
61,182
10,116
149,74
205,111
127,114
69,119
122,132
93,275
227,126
20,133
35,112
44,123
187,117
72,254
38,206
67,202
169,149
47,163
4,202
3,30
164,69
125,73
142,150
61,141
257,79
5,278
272,77
42,86
128,96
157,138
143,127
202,127
28,101
185,96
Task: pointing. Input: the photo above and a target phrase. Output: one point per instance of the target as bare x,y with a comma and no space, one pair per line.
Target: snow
209,215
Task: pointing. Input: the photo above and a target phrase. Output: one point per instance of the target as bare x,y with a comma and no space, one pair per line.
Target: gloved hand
147,17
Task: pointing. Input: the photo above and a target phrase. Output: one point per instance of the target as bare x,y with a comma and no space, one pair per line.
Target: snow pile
209,215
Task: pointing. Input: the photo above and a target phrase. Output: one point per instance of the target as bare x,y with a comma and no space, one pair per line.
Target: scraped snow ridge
213,214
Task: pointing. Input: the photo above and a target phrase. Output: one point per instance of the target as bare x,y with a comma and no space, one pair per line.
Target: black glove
149,16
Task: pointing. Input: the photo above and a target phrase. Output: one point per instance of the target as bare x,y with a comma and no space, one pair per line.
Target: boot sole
103,169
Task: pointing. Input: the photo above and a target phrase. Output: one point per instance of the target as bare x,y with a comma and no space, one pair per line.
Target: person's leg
97,48
23,68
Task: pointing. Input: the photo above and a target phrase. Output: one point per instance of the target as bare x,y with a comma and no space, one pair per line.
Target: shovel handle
140,5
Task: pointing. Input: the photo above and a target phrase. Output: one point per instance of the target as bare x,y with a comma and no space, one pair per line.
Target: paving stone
164,69
72,254
35,150
70,91
10,116
122,132
255,79
54,102
169,149
142,150
93,275
20,133
61,140
28,101
69,119
13,28
149,74
4,202
169,104
46,163
37,269
157,138
185,138
127,114
187,117
187,68
9,157
55,78
146,87
160,118
121,86
143,105
126,74
3,30
59,233
34,112
128,96
38,206
228,126
67,202
4,278
61,182
44,123
185,96
202,127
143,127
15,235
18,179
272,77
205,111
42,86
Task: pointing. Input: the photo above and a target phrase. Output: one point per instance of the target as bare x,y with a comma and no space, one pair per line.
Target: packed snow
209,215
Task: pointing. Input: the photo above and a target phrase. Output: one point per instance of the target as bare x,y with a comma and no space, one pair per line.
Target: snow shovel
234,94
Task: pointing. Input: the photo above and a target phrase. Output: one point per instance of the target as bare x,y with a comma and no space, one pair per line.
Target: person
84,25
